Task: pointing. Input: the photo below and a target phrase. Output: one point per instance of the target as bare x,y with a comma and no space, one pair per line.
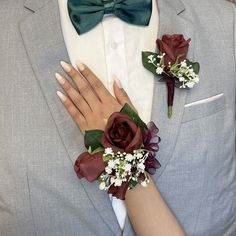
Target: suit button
114,45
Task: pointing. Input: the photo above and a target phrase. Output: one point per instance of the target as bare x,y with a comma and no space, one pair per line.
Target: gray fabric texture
39,192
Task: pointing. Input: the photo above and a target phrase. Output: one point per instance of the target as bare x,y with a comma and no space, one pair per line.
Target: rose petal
121,133
135,143
173,46
89,166
119,192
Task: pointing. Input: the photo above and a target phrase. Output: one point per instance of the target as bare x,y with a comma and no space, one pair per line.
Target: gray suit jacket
39,142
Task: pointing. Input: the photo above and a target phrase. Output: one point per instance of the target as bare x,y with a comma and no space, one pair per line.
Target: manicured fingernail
80,65
117,81
60,79
65,66
61,96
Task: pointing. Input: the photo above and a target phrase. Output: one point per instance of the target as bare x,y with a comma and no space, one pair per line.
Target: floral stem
170,90
169,111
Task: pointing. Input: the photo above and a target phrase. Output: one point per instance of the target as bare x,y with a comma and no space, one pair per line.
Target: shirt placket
115,51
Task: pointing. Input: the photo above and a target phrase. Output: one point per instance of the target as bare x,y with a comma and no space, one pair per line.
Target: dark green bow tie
86,14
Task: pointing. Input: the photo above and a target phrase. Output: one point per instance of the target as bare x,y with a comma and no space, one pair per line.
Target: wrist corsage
171,65
120,156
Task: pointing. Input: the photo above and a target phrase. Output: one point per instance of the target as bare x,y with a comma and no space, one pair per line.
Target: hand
89,103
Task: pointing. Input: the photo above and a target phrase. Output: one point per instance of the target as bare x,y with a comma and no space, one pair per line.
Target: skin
90,104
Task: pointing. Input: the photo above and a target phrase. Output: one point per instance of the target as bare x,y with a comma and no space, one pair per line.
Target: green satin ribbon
86,14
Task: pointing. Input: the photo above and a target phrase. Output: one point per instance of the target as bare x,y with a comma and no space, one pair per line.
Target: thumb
120,94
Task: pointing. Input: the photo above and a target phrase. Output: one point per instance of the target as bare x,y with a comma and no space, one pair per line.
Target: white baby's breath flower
141,166
108,169
191,72
151,59
127,167
181,79
139,155
117,162
117,182
161,56
190,84
112,180
183,63
112,163
144,183
159,70
102,186
108,151
129,157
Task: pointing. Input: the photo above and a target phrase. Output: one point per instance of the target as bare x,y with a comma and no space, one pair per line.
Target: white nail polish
65,66
60,79
80,65
61,96
117,81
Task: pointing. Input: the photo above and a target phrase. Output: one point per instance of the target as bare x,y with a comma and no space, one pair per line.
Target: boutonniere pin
172,66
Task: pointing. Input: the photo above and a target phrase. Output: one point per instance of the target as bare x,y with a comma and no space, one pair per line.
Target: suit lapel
44,43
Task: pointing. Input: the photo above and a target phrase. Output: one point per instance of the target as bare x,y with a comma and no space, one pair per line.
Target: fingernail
80,65
60,79
61,96
117,81
65,66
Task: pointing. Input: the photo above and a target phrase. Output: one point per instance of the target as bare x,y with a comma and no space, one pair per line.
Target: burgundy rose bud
119,192
122,134
89,166
173,46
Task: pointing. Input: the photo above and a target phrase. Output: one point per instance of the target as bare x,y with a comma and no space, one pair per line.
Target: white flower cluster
122,167
159,65
185,74
181,71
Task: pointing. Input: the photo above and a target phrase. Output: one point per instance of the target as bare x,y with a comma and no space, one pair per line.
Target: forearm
149,214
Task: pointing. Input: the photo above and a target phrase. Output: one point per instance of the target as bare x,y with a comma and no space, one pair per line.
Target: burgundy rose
89,166
119,192
122,134
151,143
173,46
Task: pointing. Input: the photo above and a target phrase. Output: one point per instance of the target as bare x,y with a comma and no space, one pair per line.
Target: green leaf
195,66
92,140
106,158
132,184
133,115
99,149
146,64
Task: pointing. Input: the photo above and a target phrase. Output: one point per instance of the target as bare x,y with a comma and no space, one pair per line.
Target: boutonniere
172,66
120,156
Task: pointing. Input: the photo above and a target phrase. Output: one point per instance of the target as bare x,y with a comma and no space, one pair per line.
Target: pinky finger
73,111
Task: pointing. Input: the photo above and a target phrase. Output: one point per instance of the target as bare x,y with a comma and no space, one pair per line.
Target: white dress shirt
113,48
